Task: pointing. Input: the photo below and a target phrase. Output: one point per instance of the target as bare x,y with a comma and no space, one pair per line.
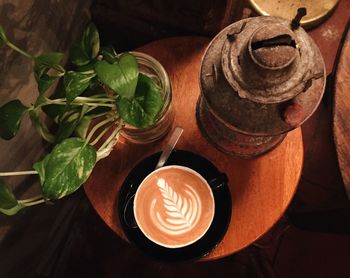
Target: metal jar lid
317,10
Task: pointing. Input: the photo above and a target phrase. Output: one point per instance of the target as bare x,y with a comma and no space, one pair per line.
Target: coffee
174,206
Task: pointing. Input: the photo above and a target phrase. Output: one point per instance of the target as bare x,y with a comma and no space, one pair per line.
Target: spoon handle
169,146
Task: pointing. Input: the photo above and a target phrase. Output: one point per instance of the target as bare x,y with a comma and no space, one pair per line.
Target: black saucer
222,216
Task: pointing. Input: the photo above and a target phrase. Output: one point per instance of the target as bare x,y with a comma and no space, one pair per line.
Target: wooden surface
327,35
261,188
321,185
341,124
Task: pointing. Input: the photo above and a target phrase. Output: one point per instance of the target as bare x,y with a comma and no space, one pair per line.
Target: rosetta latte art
182,213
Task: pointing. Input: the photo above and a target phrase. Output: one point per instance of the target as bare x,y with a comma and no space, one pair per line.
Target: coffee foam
172,206
182,211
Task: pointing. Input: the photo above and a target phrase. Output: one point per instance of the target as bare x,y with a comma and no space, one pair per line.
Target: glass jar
154,70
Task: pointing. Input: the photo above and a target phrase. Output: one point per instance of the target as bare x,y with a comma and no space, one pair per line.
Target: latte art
182,212
174,206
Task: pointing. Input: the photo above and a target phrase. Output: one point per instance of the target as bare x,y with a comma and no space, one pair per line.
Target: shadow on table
69,239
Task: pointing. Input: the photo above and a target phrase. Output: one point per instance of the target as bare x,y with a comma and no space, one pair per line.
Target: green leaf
12,211
40,168
95,88
54,111
60,91
83,127
142,111
83,52
42,65
94,83
90,43
77,56
121,77
58,113
41,100
10,118
69,124
86,69
66,128
3,38
76,83
45,62
40,126
66,168
45,82
7,199
109,54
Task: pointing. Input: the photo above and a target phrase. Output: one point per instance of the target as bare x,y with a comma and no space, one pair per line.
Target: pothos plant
100,92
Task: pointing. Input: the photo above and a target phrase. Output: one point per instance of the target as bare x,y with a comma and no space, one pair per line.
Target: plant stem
14,47
58,68
100,135
97,99
99,115
87,72
30,199
33,203
85,99
94,116
109,140
21,173
107,146
97,126
96,104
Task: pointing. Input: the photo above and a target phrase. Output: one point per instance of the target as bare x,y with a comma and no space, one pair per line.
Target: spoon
168,148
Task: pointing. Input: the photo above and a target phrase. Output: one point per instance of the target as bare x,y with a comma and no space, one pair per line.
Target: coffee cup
174,206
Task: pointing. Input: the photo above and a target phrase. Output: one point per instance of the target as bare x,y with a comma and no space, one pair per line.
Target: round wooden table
261,188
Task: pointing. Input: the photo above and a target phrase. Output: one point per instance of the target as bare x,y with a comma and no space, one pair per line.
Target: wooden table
321,185
341,124
261,188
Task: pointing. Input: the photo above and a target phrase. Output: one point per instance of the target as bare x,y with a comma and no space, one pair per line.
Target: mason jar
154,70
